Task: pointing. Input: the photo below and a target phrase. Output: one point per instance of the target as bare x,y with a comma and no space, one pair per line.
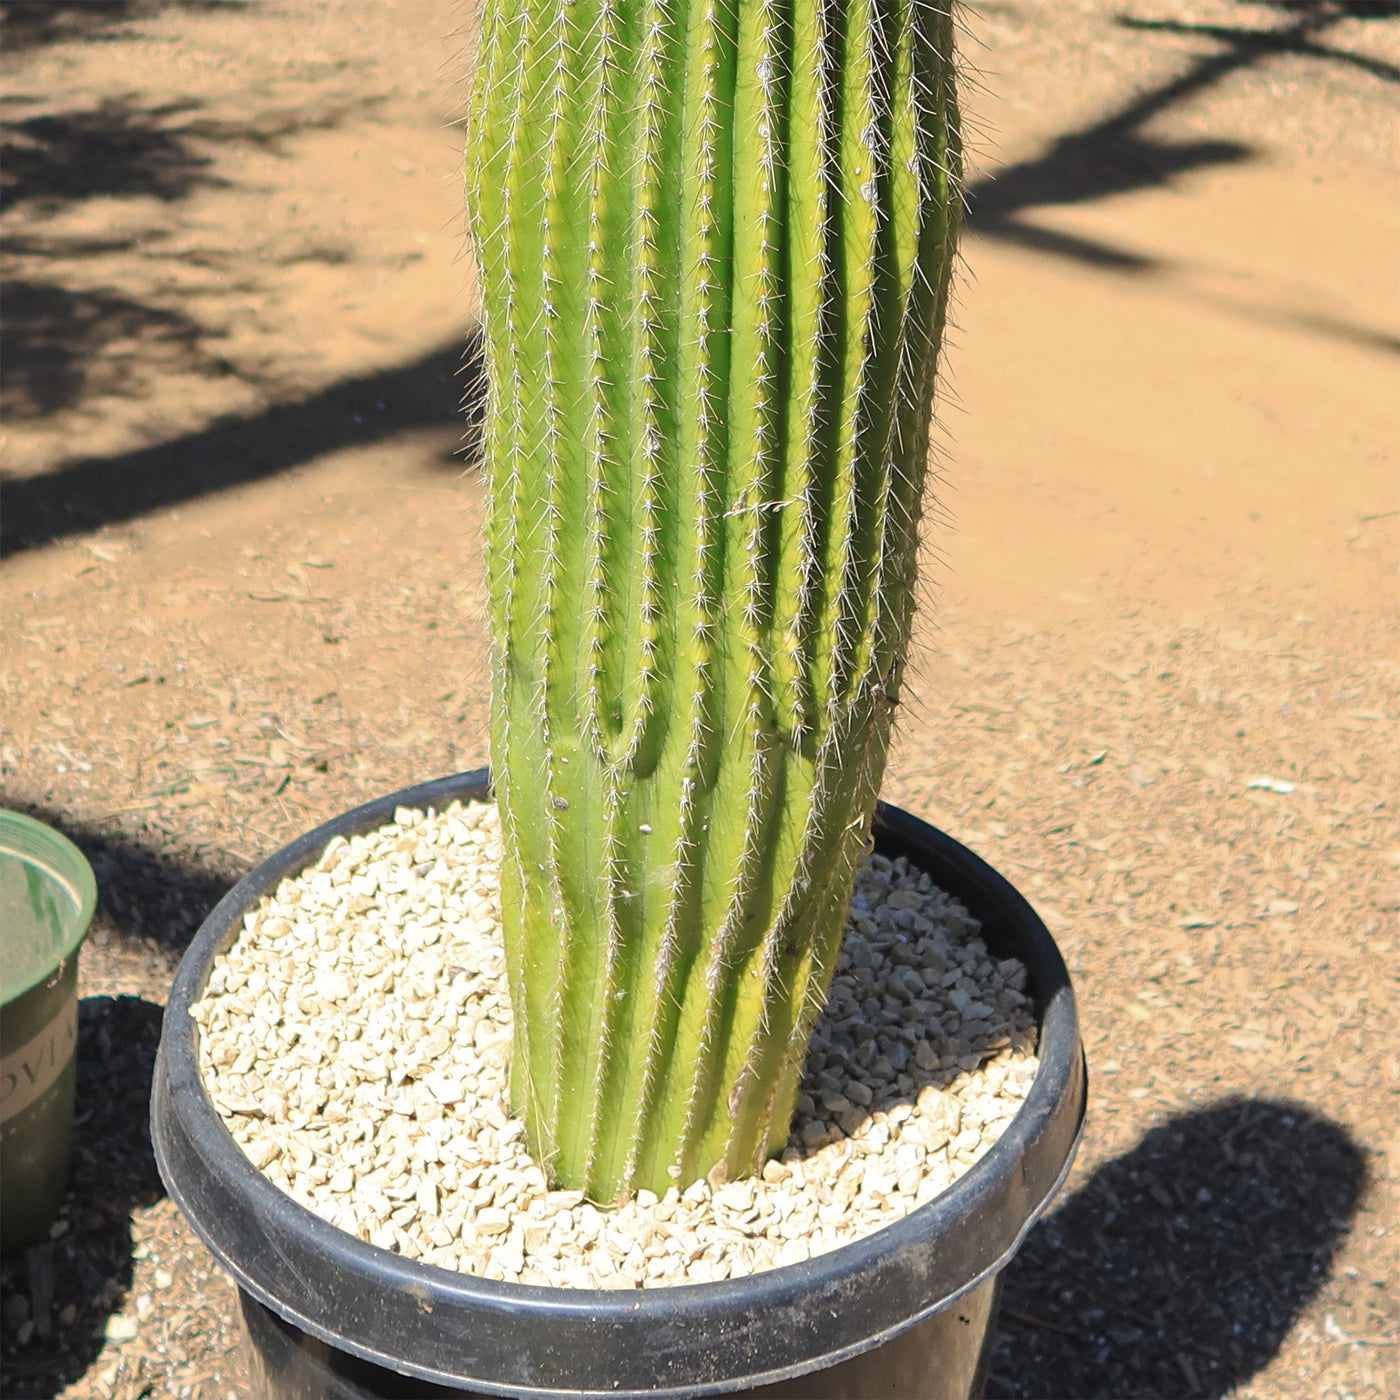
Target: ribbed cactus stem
714,240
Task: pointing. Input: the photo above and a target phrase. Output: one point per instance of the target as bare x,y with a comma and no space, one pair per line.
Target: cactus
714,241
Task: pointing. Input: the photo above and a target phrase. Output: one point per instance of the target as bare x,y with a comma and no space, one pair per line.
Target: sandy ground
241,594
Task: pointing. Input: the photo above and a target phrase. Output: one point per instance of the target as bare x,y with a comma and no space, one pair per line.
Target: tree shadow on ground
1179,1268
89,493
114,150
1116,155
50,358
1346,9
63,345
29,24
122,150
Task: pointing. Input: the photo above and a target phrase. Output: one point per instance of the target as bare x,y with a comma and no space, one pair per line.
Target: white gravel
356,1038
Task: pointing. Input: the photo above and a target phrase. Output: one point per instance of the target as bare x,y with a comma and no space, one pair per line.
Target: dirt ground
1158,677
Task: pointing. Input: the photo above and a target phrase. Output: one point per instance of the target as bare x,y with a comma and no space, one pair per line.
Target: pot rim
513,1338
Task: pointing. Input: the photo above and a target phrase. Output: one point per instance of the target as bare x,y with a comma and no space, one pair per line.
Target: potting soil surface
381,1099
1157,676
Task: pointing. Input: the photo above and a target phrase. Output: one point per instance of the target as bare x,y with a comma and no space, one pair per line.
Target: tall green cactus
714,240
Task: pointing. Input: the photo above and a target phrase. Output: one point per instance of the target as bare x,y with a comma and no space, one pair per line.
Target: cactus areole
714,240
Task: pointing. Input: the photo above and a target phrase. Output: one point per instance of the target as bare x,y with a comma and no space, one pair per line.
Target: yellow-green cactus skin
714,242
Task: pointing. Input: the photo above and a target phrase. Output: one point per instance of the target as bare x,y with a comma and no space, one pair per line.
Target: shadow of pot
907,1311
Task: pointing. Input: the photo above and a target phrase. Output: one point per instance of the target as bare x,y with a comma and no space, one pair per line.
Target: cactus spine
714,240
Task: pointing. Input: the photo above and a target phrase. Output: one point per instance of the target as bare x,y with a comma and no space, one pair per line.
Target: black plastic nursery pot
908,1311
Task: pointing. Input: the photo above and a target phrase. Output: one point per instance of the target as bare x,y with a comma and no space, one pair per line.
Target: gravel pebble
356,1040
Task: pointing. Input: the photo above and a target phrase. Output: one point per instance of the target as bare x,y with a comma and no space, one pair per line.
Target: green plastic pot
47,894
